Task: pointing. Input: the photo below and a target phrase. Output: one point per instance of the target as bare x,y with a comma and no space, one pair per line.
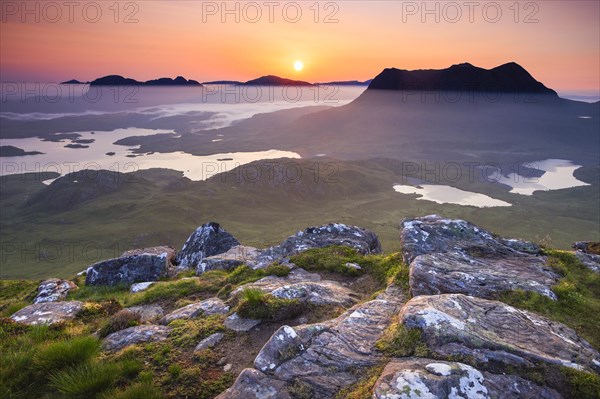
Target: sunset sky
189,38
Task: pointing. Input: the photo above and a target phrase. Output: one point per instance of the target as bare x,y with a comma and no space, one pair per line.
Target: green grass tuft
86,380
66,353
399,341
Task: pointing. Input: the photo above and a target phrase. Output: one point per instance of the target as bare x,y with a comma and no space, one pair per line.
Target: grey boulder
48,312
432,379
54,290
208,240
135,335
362,240
456,324
128,270
304,286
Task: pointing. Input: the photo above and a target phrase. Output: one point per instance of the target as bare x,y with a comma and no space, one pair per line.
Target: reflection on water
558,174
449,195
57,158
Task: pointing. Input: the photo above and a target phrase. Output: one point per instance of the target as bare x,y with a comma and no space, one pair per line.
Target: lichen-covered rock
163,249
433,379
209,341
239,324
147,312
434,234
208,240
362,240
48,312
207,307
456,272
54,290
128,270
321,358
135,335
304,286
234,257
456,324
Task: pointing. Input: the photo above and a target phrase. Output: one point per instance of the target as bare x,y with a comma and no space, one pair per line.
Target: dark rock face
135,335
430,379
48,312
455,324
128,270
208,240
456,272
435,234
323,357
362,240
54,290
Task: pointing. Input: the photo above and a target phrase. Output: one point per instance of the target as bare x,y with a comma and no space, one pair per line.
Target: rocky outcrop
432,379
456,272
455,324
135,335
207,307
435,234
54,290
128,270
171,253
588,253
362,240
322,358
234,257
304,286
208,240
48,312
209,341
455,256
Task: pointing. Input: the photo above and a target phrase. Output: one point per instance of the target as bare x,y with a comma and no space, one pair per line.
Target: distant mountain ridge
118,80
272,80
508,77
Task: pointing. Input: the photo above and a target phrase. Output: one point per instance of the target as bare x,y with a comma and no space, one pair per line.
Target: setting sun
298,65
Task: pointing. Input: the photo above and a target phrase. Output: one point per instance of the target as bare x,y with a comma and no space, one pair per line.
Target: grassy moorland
44,234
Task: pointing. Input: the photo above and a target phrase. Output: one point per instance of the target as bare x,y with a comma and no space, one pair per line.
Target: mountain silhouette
118,80
510,77
271,80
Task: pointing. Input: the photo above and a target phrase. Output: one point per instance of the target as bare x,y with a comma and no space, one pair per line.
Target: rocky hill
510,77
459,313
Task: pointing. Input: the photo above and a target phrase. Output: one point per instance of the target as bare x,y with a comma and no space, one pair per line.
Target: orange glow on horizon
181,38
